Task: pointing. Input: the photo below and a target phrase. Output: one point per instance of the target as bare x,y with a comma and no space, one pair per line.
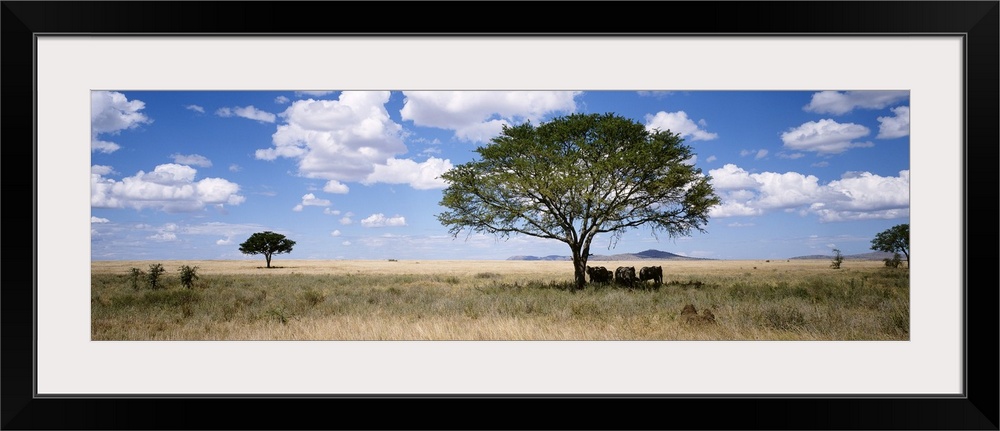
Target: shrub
837,259
134,274
188,275
153,277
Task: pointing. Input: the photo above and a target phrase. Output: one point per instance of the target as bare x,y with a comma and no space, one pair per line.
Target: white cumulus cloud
196,108
101,170
856,196
334,186
733,209
310,199
98,220
825,137
837,103
380,220
897,126
731,177
478,116
105,147
421,176
169,187
863,195
110,113
785,190
678,122
337,139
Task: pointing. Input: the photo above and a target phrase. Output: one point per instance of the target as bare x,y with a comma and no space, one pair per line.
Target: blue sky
354,175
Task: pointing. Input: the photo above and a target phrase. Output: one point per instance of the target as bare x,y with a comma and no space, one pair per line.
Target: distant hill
875,255
643,255
663,255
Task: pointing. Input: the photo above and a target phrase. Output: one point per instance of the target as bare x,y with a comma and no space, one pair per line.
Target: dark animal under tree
599,274
625,275
654,273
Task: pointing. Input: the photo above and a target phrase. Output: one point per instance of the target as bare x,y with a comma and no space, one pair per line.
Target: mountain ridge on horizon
653,254
650,254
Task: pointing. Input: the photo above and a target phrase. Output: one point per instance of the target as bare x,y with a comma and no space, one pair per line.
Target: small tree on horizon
837,259
267,243
575,177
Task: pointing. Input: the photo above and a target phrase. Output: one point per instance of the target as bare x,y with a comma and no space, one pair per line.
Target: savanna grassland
497,300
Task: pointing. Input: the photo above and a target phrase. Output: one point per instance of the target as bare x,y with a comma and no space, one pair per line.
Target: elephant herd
626,275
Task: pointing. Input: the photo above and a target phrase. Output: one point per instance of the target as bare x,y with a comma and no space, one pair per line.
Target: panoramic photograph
394,215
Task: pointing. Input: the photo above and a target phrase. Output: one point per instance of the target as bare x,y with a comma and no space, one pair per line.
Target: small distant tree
153,276
188,275
267,243
837,259
894,240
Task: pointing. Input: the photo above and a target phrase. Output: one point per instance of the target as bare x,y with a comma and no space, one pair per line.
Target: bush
188,275
134,275
153,277
837,259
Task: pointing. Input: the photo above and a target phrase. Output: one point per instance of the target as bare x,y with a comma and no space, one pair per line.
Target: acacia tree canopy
575,177
894,240
267,243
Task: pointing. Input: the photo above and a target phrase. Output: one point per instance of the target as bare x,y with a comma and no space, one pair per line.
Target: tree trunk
267,257
579,267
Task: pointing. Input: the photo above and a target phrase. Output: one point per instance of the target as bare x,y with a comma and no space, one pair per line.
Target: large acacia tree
575,177
267,243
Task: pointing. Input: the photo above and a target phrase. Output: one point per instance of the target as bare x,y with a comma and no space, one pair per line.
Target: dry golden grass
499,300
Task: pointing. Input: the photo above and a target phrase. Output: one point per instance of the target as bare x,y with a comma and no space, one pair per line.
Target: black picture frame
976,21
